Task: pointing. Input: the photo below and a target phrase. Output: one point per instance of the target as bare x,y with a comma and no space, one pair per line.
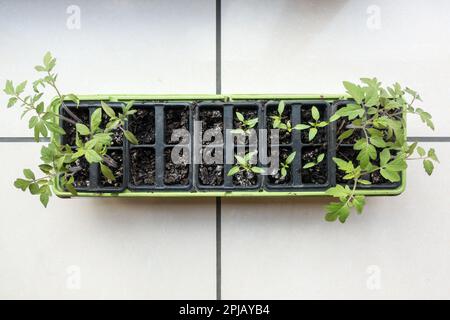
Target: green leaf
283,172
378,142
337,210
421,151
392,176
281,107
315,113
432,155
82,129
309,165
11,102
312,133
291,158
106,171
32,122
44,198
428,166
233,171
385,156
54,128
320,158
130,137
108,110
21,88
9,88
358,203
240,160
96,119
42,129
346,166
92,156
240,116
39,68
346,134
257,170
355,91
34,188
29,174
21,184
338,192
73,98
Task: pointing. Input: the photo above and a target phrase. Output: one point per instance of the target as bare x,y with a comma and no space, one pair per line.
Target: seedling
378,113
284,166
315,125
245,124
278,120
319,159
243,164
58,161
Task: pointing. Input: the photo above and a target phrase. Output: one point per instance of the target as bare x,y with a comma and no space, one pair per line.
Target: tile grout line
218,199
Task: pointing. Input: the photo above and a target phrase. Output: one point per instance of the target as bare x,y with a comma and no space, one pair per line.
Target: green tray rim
59,192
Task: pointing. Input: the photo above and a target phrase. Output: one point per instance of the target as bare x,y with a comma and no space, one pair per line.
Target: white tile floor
399,247
311,46
93,248
270,248
121,47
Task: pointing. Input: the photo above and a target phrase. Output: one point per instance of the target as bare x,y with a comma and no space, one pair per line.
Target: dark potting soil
142,125
347,154
306,117
176,118
142,166
245,179
117,134
81,176
176,173
377,178
277,178
117,170
210,174
318,173
69,128
211,119
248,114
284,136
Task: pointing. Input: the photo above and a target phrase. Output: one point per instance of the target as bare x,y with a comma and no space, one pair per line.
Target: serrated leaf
359,202
21,87
34,188
355,91
337,192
